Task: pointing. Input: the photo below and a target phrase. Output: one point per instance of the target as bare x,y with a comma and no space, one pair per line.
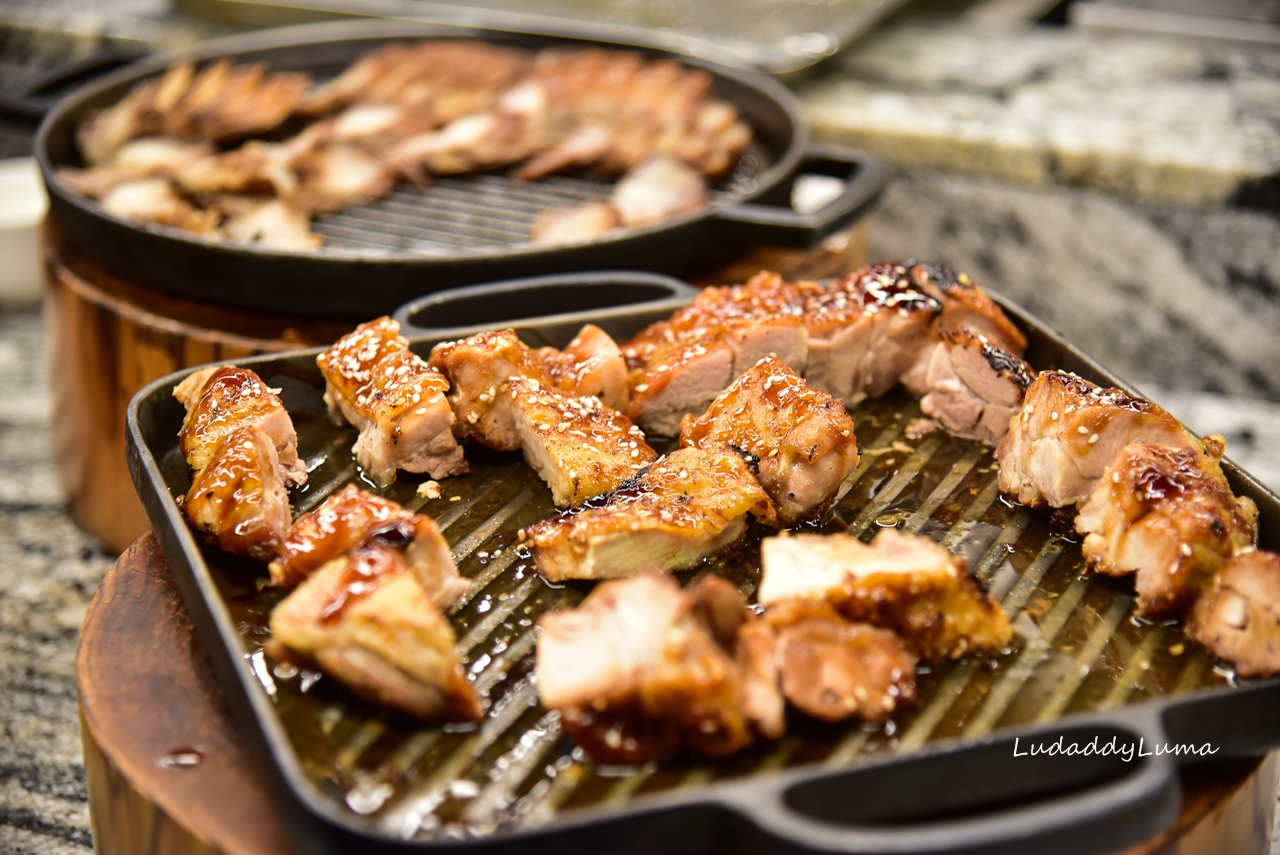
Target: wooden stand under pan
109,337
168,773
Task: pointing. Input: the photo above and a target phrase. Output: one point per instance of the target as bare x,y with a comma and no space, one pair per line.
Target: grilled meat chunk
591,364
559,226
803,438
833,669
905,583
964,304
642,670
659,190
684,507
351,518
395,399
150,157
223,399
973,386
238,499
270,224
219,103
1069,432
580,447
1167,516
333,176
365,619
153,200
1237,615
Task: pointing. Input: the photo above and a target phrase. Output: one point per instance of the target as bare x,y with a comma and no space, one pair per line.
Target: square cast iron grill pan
459,230
942,779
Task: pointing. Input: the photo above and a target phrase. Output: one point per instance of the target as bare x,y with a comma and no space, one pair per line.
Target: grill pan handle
570,299
955,801
864,179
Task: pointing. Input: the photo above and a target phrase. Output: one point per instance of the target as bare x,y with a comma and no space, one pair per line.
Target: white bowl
22,206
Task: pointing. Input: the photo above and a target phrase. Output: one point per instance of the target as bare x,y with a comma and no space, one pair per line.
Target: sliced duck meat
901,582
1237,615
396,400
802,437
1167,516
833,669
366,620
974,387
580,447
1070,431
684,507
641,670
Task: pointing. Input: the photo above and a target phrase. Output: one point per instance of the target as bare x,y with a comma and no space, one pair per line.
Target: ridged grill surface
1078,645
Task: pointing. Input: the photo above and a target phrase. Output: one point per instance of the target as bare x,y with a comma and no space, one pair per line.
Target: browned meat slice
221,102
1238,614
477,367
682,383
238,499
642,670
659,190
833,669
366,620
1070,431
803,438
591,364
153,200
223,399
900,582
333,176
1168,516
973,387
254,168
684,507
580,447
866,331
964,304
270,224
151,157
587,222
397,402
352,517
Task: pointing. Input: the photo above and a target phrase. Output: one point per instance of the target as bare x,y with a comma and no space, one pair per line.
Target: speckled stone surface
1148,118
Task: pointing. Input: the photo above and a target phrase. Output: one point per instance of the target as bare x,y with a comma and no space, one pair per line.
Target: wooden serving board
168,773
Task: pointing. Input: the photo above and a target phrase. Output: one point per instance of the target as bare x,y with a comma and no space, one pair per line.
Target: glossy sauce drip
365,570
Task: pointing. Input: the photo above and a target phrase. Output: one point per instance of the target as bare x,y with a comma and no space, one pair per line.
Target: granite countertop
1123,188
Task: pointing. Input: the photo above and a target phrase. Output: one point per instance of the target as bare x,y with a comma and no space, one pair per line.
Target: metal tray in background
941,777
457,230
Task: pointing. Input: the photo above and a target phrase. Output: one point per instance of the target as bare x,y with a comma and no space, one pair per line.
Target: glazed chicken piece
591,364
580,447
269,224
397,402
1069,432
153,200
151,157
641,670
556,227
1237,615
223,399
365,619
974,387
1167,516
964,304
905,583
238,499
803,438
221,102
684,507
352,517
833,669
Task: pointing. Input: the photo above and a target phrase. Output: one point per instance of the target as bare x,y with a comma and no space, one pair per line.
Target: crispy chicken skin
223,399
901,582
590,364
580,447
238,499
974,387
833,669
221,102
352,517
1167,516
803,438
1069,432
395,399
964,304
1237,615
641,670
684,507
366,620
